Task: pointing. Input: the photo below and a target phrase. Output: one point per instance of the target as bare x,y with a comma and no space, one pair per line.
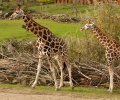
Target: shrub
84,50
107,17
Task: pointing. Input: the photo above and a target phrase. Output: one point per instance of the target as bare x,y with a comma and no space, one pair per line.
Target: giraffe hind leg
60,64
111,62
111,74
111,59
53,73
69,72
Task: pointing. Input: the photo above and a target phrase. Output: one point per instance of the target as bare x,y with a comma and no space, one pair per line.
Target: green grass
85,92
13,29
61,8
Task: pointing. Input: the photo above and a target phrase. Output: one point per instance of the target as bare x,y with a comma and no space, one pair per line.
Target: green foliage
106,16
62,9
85,49
7,6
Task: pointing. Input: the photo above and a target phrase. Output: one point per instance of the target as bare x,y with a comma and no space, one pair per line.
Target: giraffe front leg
111,74
38,71
70,77
61,77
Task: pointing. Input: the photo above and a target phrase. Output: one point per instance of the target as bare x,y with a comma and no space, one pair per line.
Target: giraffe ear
89,21
93,23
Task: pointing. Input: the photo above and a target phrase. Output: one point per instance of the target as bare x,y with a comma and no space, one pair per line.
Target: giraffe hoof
72,88
32,86
57,89
109,90
61,86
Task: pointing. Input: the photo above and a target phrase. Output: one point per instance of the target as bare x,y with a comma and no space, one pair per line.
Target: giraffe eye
23,17
88,26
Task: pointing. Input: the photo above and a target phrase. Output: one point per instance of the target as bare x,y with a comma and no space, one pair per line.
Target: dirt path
11,96
28,94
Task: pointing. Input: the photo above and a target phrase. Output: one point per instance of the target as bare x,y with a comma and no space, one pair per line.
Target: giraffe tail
64,66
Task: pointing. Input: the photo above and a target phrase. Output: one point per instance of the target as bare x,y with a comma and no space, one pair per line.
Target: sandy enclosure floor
28,94
12,96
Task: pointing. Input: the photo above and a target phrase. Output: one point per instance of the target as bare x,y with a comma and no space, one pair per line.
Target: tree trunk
118,1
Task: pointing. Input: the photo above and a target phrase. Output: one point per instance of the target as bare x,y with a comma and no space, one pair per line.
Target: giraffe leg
70,74
111,61
38,71
53,74
111,73
60,63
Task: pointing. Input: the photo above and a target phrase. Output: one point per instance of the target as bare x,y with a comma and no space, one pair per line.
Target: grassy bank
62,9
91,92
13,29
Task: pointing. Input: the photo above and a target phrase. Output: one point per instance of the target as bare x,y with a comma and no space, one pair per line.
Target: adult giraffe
112,48
50,46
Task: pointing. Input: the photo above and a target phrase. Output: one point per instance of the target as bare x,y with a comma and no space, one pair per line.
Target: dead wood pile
58,17
17,66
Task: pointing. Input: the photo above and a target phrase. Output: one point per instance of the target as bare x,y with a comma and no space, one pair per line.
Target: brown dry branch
20,68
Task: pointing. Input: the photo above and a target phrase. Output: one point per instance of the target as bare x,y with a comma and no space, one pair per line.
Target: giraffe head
88,26
17,14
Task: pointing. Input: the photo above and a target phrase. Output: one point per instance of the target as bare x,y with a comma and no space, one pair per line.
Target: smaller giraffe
50,46
17,13
112,48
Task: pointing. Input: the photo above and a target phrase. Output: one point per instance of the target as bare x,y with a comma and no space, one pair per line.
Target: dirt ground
28,94
13,96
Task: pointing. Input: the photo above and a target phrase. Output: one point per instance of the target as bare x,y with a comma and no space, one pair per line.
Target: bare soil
29,94
12,96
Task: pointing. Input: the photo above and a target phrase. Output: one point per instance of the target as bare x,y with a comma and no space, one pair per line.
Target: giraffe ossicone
50,46
112,48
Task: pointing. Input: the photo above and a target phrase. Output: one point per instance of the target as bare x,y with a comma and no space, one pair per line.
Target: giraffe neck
37,29
102,37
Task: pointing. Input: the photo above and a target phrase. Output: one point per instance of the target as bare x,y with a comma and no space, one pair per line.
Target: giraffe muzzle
81,29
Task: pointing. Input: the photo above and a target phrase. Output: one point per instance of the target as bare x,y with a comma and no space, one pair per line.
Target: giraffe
112,49
51,46
17,13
